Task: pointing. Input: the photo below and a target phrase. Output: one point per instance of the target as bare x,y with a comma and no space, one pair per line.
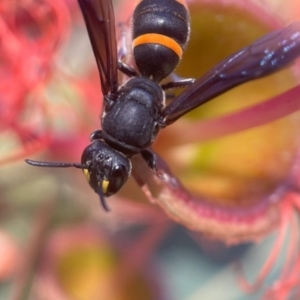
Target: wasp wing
265,56
100,22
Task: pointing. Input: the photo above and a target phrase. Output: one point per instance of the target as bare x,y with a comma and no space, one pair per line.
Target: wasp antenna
102,199
54,164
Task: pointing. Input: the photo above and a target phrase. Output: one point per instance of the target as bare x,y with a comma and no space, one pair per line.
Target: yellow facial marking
105,184
86,174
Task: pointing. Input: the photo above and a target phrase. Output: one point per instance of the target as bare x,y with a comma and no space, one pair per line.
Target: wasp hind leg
123,53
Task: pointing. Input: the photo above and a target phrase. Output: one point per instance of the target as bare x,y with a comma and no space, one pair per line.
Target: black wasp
135,112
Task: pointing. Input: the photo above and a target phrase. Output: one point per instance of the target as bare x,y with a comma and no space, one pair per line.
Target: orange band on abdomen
155,38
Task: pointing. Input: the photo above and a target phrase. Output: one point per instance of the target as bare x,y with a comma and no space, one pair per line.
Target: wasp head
106,170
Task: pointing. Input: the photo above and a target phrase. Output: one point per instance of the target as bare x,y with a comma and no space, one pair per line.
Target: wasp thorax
106,168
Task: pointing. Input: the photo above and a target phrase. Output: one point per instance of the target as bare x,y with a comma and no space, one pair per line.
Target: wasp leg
150,159
123,51
159,167
178,84
127,70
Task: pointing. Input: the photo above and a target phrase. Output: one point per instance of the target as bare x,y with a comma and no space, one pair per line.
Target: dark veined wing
265,56
100,22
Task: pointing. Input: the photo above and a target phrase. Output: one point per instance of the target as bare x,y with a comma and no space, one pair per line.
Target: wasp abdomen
160,33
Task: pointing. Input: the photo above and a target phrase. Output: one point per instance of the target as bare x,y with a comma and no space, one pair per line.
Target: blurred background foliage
56,241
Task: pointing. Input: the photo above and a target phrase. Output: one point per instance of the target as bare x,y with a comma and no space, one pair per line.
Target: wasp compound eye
117,180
